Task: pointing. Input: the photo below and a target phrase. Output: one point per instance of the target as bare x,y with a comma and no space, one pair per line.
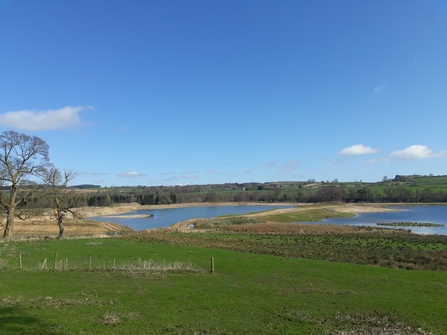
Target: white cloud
289,166
211,171
249,170
358,149
378,89
130,174
42,120
417,152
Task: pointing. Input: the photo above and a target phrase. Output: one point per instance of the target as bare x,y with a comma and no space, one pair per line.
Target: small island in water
409,224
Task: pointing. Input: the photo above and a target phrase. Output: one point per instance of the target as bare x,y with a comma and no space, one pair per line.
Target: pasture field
160,283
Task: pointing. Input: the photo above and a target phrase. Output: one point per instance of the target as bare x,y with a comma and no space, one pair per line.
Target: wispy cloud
189,175
358,149
122,129
42,120
85,173
289,166
417,152
379,89
269,165
131,174
211,171
249,170
331,163
375,161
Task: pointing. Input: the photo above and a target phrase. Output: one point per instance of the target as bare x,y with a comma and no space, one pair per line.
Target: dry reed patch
50,302
373,323
308,229
185,330
73,228
142,268
110,318
113,318
151,265
289,228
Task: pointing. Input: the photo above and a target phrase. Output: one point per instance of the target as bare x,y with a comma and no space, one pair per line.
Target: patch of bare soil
73,228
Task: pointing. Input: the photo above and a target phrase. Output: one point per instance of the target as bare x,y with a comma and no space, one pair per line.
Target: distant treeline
270,193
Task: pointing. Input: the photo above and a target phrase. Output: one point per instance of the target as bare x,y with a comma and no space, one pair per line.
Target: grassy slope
248,294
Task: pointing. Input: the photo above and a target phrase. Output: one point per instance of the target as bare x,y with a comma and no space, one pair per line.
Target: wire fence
56,263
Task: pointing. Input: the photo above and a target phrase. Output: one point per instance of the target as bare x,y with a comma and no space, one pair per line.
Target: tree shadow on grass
15,320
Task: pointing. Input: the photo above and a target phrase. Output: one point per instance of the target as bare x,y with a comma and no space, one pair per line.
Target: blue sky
198,92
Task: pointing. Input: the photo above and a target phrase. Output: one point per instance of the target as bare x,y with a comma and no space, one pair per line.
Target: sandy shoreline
89,212
354,208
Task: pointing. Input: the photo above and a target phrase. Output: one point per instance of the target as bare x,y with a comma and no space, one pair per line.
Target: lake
431,214
167,217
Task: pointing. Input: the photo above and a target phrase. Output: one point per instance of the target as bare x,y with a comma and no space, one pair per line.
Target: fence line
99,264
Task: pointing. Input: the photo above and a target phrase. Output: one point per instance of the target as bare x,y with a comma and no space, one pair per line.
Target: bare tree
63,199
22,158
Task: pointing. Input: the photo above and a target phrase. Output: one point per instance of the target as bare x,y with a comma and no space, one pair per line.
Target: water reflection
431,214
167,217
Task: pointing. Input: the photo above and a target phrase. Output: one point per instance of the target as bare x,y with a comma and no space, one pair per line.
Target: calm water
167,217
432,214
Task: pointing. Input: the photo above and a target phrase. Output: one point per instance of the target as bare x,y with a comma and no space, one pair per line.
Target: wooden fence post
44,264
20,260
212,264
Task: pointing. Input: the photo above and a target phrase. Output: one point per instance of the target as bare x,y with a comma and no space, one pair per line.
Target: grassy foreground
118,286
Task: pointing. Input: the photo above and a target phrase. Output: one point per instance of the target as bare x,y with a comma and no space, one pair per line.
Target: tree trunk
61,226
9,224
10,208
6,232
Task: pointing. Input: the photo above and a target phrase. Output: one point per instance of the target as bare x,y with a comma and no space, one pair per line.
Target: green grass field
104,286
